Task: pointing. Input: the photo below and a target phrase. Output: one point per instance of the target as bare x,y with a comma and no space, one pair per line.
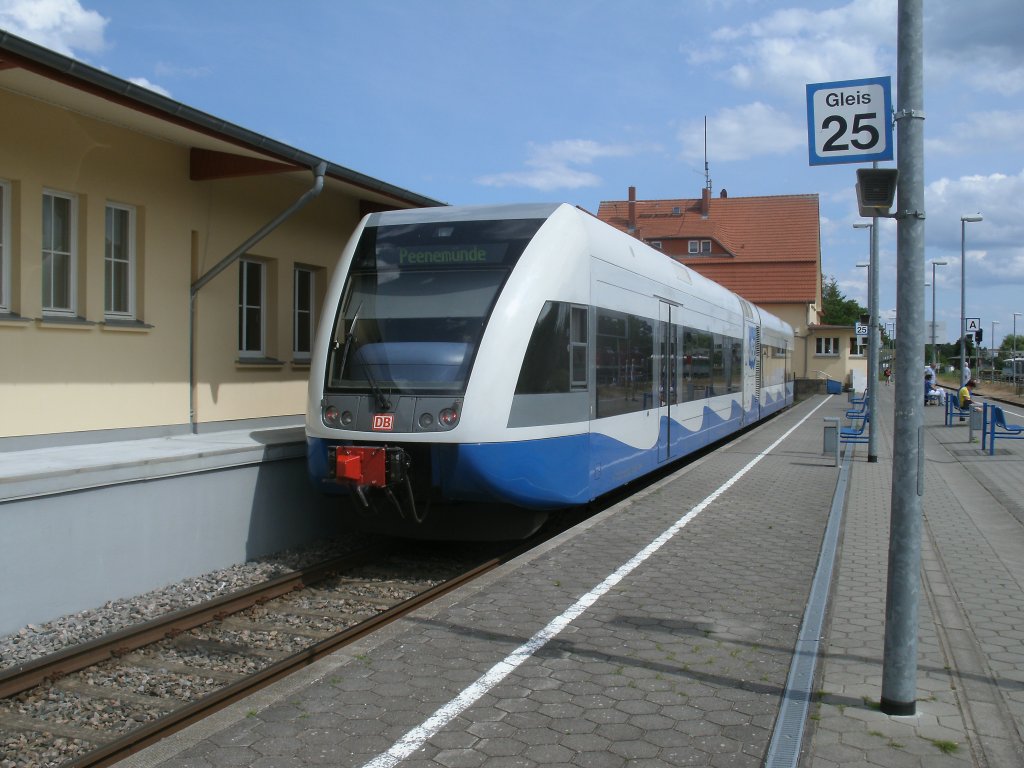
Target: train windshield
416,302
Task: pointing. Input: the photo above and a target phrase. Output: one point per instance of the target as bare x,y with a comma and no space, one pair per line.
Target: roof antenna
707,174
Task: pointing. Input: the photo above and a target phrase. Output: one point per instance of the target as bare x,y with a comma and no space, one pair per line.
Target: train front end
402,323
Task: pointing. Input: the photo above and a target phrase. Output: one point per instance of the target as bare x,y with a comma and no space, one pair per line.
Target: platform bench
998,428
953,409
859,413
854,434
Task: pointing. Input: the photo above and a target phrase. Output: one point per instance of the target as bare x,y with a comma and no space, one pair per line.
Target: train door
753,372
667,375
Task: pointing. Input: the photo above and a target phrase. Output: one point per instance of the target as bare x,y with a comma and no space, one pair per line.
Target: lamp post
991,349
934,356
963,294
1016,386
874,333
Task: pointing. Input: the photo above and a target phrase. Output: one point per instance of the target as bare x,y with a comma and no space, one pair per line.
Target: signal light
449,417
977,335
331,416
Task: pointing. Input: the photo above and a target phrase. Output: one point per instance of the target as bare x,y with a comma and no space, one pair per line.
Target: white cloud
60,25
144,83
999,128
797,46
552,166
993,246
739,133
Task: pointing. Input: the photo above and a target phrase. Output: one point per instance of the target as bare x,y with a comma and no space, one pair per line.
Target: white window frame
5,246
303,317
244,330
71,253
698,247
826,346
693,247
705,246
108,261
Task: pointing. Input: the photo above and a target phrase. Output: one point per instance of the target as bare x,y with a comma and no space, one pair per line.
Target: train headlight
347,418
426,421
448,418
331,416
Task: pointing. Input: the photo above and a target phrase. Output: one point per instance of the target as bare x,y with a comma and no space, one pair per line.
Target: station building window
304,301
252,310
827,346
5,246
60,214
119,263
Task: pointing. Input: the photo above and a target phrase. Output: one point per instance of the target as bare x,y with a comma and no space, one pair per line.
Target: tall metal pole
963,295
874,339
874,332
934,356
991,349
963,302
1016,385
899,667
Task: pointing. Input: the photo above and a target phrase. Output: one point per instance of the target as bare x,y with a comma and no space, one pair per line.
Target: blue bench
998,428
854,434
953,409
862,412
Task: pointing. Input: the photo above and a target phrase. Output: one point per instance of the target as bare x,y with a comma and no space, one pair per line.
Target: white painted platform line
419,735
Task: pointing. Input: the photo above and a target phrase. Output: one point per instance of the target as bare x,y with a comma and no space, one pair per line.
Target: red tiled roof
766,248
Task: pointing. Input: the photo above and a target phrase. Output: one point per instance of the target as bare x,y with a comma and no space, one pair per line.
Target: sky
488,101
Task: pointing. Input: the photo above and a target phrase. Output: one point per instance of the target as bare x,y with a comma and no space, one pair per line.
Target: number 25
834,145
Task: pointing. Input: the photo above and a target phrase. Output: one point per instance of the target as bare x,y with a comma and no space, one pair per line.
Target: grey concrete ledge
47,471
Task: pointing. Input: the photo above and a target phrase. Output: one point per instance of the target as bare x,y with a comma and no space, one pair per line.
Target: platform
662,632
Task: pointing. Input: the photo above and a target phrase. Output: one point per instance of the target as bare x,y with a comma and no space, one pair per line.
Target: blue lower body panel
555,472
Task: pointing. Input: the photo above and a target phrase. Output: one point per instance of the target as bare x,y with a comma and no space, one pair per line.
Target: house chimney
632,209
705,202
723,194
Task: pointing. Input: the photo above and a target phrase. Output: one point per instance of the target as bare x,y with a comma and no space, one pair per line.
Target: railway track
93,704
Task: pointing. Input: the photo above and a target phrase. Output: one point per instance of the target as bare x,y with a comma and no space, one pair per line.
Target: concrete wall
67,552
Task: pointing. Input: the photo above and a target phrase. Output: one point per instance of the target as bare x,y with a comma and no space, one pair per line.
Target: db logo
383,422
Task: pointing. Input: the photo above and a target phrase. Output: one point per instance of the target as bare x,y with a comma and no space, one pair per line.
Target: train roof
464,213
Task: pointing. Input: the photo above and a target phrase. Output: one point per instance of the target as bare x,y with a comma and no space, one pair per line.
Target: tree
836,309
1007,347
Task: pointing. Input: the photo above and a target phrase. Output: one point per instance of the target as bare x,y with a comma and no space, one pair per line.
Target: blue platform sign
849,121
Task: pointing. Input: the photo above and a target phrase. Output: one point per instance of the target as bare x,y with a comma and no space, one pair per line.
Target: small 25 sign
849,121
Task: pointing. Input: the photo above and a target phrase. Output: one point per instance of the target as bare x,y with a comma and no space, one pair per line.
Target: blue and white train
477,367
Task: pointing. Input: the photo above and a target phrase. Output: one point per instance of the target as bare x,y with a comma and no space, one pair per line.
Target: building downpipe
227,261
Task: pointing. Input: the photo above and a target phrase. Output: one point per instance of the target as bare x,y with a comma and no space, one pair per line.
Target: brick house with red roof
766,249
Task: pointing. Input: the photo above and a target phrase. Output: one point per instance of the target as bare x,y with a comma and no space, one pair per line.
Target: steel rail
155,730
22,677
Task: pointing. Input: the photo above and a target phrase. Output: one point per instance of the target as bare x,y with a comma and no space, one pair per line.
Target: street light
963,295
934,265
1014,358
991,352
874,334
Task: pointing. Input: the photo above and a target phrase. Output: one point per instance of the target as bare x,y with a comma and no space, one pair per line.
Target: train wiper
350,336
382,401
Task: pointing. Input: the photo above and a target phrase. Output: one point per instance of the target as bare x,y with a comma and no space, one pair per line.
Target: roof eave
73,73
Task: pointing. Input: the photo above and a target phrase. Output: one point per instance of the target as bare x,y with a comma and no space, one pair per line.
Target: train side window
578,348
546,365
